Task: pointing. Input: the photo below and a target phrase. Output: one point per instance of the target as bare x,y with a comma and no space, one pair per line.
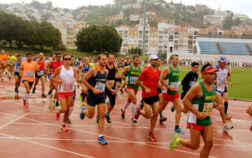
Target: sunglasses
69,59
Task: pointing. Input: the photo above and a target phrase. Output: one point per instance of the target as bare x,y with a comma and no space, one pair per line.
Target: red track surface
36,133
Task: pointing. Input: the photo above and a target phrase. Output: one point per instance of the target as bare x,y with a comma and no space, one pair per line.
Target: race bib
133,80
68,86
100,86
175,84
17,69
111,83
191,83
208,108
28,74
41,73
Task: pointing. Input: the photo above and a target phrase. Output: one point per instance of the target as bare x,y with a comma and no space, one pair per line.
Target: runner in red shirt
53,85
40,75
149,81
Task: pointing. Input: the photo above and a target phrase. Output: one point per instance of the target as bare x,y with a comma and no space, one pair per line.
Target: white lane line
48,146
1,127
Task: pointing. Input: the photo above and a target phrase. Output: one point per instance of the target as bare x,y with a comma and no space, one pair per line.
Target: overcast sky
237,6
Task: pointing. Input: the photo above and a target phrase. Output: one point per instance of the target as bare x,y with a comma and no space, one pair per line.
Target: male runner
120,67
27,70
132,72
223,78
249,111
149,80
40,75
199,101
85,67
3,63
96,81
17,73
169,79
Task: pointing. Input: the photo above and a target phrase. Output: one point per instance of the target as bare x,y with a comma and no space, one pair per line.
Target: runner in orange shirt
27,70
3,62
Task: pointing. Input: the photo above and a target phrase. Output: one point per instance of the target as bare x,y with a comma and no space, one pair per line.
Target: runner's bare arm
125,71
194,91
76,75
163,76
91,73
56,74
219,100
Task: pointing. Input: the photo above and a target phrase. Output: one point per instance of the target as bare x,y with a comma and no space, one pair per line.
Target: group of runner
107,77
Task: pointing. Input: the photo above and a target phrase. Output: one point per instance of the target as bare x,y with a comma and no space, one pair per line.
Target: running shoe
53,102
179,130
162,119
228,127
26,106
57,115
102,140
34,89
64,127
68,121
172,108
228,117
108,118
122,113
134,120
151,137
43,96
97,118
82,114
16,90
57,103
49,92
137,112
174,142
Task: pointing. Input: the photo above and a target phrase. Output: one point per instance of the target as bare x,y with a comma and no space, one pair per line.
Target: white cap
153,56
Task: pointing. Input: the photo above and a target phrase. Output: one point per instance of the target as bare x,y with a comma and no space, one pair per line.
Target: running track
36,133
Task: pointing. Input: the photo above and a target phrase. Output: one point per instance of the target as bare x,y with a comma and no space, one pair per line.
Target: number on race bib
41,73
208,108
100,86
175,84
28,74
68,86
133,80
17,69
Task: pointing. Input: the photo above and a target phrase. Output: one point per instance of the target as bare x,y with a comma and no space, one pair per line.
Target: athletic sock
133,110
126,106
160,114
226,107
70,111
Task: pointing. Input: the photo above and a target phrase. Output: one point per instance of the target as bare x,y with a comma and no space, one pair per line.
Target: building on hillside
69,34
164,38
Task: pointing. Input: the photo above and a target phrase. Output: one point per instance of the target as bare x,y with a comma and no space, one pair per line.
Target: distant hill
118,13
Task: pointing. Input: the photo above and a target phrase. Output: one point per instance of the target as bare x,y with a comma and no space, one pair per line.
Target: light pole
143,47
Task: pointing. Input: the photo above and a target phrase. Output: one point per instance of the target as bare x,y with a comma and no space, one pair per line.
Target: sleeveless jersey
98,82
172,80
17,66
221,77
120,69
85,69
132,77
203,104
67,77
111,76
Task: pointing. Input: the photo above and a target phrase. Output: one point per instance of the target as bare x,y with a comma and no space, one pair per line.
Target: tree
228,22
135,51
98,38
162,54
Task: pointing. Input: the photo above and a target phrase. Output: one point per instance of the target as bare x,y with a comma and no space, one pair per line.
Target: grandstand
237,51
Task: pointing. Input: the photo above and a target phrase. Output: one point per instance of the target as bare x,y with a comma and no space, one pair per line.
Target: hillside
118,13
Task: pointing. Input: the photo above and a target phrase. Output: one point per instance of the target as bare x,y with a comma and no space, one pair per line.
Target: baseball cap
209,69
153,56
222,59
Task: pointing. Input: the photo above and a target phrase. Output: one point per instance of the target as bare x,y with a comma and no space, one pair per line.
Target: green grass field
241,80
